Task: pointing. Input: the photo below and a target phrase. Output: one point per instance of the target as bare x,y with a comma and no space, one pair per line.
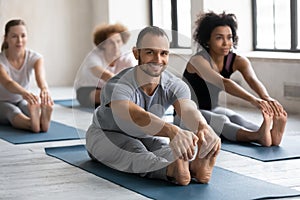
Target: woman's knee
217,122
219,119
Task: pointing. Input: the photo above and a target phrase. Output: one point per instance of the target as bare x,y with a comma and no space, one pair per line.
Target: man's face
153,55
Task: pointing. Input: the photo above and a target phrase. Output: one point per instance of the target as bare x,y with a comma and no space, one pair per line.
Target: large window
174,16
276,25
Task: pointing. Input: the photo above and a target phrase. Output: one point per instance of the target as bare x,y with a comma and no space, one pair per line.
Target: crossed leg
200,168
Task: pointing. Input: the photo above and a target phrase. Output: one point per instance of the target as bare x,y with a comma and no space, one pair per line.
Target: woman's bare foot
179,170
263,133
277,131
46,111
34,110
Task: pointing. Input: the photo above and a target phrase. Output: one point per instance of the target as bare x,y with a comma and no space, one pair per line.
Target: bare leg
179,170
21,121
46,111
277,130
201,168
262,136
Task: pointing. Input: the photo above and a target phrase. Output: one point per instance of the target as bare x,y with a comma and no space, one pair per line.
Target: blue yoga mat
223,185
56,132
73,103
288,149
67,102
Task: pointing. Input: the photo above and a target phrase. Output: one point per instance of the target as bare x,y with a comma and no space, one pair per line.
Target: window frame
294,29
174,43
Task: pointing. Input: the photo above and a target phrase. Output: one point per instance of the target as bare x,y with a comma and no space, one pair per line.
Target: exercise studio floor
26,172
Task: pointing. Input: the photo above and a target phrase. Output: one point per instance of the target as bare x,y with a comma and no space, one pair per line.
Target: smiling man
127,132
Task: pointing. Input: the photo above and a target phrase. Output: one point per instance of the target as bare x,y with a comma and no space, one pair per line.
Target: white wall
242,10
133,13
61,30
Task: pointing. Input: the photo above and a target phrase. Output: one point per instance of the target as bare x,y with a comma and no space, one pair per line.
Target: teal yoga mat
56,132
73,103
223,185
288,149
67,102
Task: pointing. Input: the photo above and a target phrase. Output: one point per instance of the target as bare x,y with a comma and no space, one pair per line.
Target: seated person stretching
127,132
18,106
208,72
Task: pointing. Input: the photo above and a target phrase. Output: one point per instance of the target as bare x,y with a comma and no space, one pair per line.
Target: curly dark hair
207,22
103,31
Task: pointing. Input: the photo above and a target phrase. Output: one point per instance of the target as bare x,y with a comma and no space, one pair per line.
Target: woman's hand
263,105
208,142
30,98
275,106
45,97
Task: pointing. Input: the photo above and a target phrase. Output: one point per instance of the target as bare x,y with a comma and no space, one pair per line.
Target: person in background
127,132
208,72
18,106
102,63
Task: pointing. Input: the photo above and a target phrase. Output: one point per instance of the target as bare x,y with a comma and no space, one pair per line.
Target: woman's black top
205,94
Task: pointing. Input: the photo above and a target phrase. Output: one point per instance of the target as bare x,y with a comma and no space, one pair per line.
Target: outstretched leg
277,130
262,136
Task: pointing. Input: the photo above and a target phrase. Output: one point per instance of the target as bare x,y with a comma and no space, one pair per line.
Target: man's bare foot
46,111
201,168
277,131
34,110
179,170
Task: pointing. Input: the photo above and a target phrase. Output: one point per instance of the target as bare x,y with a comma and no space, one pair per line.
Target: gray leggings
9,110
83,96
147,157
224,122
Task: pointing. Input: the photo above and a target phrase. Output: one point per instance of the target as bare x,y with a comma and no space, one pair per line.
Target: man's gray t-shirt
124,86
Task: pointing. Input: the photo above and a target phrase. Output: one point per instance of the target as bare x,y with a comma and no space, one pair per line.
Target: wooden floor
26,172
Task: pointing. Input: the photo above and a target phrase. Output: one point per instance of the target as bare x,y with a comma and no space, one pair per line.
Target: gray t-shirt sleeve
176,88
117,88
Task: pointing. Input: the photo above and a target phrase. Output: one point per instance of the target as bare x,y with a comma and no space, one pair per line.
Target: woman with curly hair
208,72
102,63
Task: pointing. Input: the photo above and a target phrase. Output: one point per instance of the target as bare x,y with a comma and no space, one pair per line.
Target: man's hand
208,141
183,144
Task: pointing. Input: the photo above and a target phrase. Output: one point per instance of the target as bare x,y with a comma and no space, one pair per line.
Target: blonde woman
18,106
